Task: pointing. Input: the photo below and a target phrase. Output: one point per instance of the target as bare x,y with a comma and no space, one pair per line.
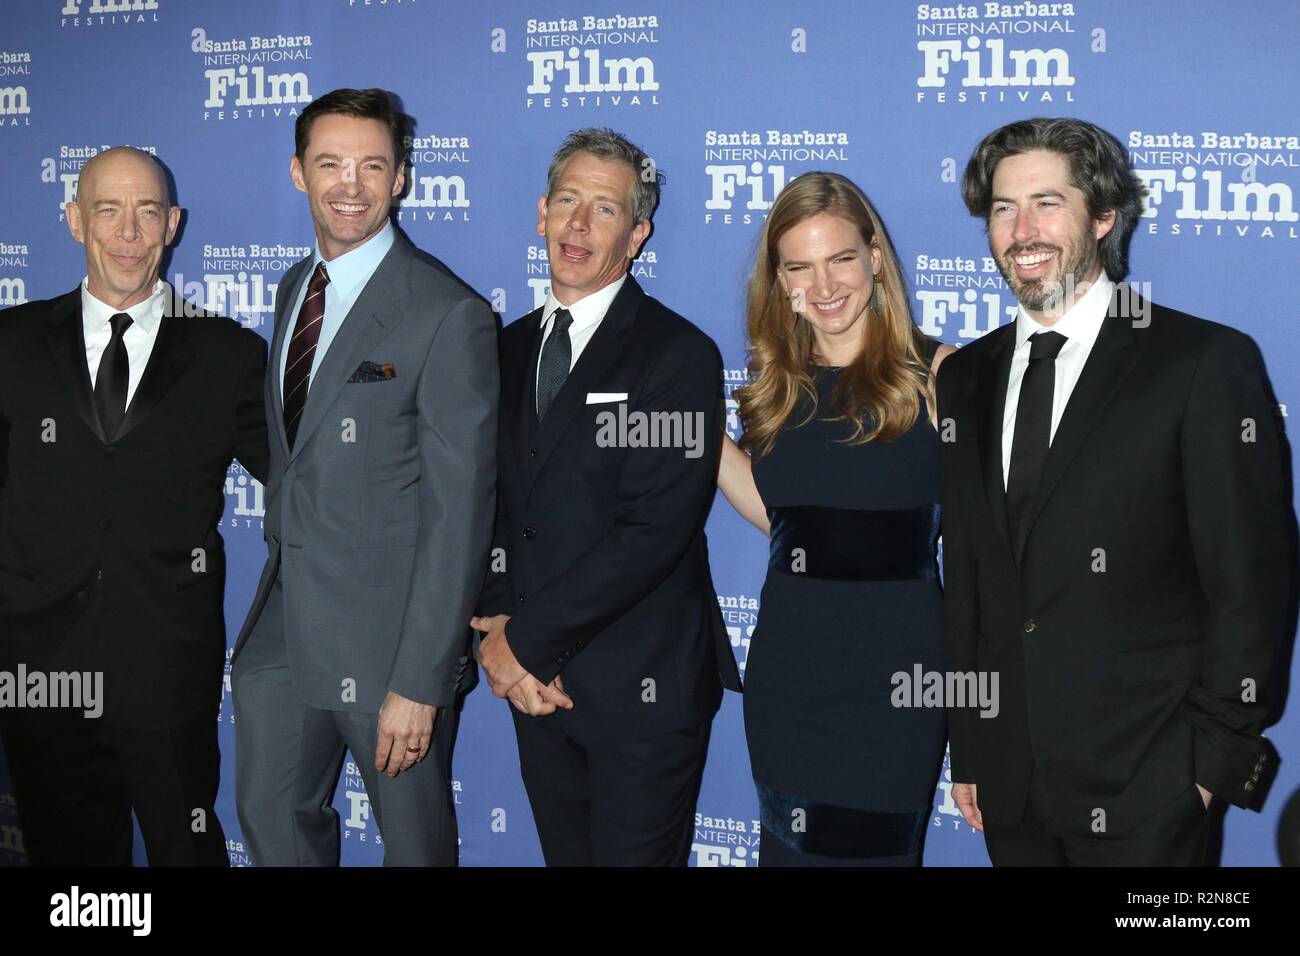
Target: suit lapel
364,325
1112,357
285,297
171,353
605,346
67,341
519,369
991,400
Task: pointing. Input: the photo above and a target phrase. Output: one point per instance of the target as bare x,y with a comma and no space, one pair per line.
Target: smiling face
829,272
350,176
588,227
124,220
1041,235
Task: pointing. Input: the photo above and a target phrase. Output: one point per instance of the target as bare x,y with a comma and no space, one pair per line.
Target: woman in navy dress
839,463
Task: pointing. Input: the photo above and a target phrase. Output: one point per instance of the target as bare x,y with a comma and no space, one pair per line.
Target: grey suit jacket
379,520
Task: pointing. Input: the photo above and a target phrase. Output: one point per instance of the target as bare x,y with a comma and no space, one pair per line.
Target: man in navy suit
602,625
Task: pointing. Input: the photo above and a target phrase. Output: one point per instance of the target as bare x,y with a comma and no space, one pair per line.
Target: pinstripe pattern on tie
302,351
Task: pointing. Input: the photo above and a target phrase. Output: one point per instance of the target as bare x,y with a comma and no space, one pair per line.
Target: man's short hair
1098,168
607,144
373,104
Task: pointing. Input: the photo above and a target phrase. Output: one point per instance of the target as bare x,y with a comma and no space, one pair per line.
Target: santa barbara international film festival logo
239,281
1217,184
107,13
436,190
537,268
589,61
725,841
746,169
15,74
359,825
243,78
63,168
740,617
971,53
13,288
245,501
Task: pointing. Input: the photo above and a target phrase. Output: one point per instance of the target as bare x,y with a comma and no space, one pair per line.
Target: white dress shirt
139,337
587,314
1080,325
348,274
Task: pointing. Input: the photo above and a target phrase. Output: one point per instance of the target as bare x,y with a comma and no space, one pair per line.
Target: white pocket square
599,398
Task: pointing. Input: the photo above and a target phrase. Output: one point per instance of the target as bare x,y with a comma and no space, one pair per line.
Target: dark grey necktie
557,355
111,379
1033,432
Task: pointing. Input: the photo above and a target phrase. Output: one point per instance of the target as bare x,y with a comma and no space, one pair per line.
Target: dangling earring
873,303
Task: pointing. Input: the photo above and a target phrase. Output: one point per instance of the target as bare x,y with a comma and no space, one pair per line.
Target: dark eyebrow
334,156
1038,195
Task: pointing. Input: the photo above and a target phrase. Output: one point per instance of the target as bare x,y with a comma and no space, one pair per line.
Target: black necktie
111,379
553,369
1033,432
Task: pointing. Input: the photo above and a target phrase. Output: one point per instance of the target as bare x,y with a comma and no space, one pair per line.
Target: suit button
106,524
81,595
532,452
110,452
99,574
1250,786
530,532
1030,626
521,599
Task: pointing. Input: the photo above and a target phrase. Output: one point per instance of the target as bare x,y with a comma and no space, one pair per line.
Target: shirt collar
95,312
356,265
587,311
1081,322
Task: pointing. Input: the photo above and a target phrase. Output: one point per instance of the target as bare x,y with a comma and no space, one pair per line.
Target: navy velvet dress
851,599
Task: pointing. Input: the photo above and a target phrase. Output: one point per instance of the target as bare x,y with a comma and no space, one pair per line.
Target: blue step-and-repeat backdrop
732,100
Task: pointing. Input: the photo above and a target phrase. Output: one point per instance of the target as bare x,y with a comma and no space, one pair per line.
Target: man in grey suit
381,397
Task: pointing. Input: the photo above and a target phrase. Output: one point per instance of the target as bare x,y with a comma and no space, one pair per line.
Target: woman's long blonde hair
881,391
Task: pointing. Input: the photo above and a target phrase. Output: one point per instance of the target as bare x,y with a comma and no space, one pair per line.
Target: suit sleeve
457,406
1237,515
495,598
251,446
960,592
664,497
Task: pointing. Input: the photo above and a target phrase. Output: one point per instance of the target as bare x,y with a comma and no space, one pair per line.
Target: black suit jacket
100,560
606,567
1153,587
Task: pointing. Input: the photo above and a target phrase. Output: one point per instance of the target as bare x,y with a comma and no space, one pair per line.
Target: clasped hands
507,677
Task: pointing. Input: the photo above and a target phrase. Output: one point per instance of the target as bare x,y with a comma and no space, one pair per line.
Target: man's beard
1054,293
